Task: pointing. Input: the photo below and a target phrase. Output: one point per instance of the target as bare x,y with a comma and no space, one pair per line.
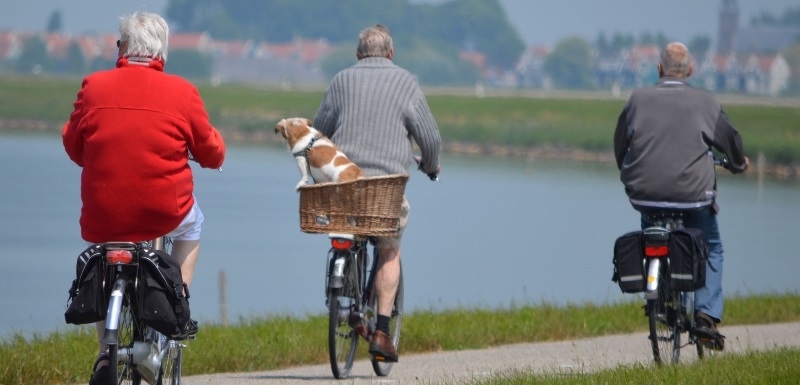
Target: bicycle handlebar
434,176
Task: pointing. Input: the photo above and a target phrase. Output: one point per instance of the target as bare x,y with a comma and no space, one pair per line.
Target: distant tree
190,64
76,63
34,57
620,41
570,63
479,25
54,23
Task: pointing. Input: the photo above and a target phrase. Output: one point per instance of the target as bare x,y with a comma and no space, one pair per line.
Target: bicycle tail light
119,257
341,243
655,251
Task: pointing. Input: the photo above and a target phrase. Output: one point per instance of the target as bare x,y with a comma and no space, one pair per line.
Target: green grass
772,367
516,120
272,342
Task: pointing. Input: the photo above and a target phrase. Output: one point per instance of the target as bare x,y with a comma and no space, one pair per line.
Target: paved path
554,357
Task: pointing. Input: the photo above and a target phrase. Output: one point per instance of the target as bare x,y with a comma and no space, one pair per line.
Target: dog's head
292,129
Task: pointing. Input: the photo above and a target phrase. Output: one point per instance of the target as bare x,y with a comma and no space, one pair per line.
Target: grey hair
676,60
374,41
146,34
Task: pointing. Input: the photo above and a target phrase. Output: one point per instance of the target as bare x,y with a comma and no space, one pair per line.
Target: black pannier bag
629,262
688,256
162,303
87,302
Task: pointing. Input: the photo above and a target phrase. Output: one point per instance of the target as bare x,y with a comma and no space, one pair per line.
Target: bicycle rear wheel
395,326
342,339
121,368
170,372
665,334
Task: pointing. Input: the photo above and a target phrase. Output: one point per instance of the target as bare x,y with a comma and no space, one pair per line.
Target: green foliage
570,63
458,24
34,57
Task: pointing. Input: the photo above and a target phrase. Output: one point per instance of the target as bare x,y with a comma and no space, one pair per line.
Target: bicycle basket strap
86,303
162,303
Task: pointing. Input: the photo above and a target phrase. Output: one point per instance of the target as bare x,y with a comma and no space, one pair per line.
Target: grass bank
773,367
272,342
505,123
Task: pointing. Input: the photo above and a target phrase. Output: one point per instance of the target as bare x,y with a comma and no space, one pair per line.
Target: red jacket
130,131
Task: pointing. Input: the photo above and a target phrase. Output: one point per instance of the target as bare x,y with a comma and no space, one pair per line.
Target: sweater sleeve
621,137
206,144
71,134
425,132
728,140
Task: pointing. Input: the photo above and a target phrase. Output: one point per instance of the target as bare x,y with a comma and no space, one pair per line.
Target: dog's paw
301,184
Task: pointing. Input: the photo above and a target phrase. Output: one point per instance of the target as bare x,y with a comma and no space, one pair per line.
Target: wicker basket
367,206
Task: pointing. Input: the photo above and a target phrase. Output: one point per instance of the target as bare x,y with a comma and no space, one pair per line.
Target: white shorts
189,229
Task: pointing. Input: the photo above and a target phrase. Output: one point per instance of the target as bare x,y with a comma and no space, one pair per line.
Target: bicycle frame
678,314
352,302
147,351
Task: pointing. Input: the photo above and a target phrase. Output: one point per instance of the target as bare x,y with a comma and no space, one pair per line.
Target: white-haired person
131,132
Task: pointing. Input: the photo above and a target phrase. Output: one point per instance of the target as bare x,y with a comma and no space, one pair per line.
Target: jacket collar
135,61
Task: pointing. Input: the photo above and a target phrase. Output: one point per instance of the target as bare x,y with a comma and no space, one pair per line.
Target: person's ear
660,71
391,54
691,67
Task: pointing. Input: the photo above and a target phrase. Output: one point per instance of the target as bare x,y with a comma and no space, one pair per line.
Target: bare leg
186,253
387,279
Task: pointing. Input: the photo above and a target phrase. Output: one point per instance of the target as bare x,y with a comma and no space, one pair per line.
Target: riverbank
759,167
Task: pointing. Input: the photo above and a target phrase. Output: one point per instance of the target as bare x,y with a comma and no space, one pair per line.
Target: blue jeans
708,299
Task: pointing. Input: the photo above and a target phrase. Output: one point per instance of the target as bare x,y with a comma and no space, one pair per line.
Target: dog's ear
281,127
309,122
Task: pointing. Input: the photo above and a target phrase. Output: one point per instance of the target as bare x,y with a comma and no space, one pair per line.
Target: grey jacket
662,145
372,110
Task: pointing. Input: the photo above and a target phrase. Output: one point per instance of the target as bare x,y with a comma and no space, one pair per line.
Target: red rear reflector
656,251
341,244
119,257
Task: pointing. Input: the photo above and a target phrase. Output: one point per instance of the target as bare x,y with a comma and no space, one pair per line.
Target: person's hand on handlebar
421,166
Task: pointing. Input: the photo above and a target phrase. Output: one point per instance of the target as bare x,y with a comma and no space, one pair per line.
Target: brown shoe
382,348
706,330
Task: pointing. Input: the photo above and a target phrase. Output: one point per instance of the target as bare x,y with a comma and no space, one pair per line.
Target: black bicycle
670,310
353,302
136,352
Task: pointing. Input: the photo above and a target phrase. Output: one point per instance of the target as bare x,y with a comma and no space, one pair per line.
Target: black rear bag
629,262
688,256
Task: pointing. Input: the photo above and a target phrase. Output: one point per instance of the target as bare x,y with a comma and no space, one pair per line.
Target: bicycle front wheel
342,339
662,312
395,326
121,368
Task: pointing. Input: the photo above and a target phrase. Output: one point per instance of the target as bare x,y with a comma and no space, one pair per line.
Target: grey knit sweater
372,111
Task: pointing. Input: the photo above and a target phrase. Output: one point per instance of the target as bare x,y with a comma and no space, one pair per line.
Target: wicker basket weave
367,206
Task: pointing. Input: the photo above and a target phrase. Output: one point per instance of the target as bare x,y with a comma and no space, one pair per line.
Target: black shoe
189,332
100,376
706,331
382,348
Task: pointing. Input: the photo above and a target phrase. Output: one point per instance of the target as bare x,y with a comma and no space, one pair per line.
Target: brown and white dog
316,154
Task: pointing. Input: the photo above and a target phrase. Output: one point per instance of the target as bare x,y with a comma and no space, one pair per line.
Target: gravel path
455,367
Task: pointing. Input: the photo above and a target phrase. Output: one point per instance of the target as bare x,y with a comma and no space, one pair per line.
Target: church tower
728,27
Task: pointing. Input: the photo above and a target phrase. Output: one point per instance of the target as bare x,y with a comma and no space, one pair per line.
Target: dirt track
554,357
